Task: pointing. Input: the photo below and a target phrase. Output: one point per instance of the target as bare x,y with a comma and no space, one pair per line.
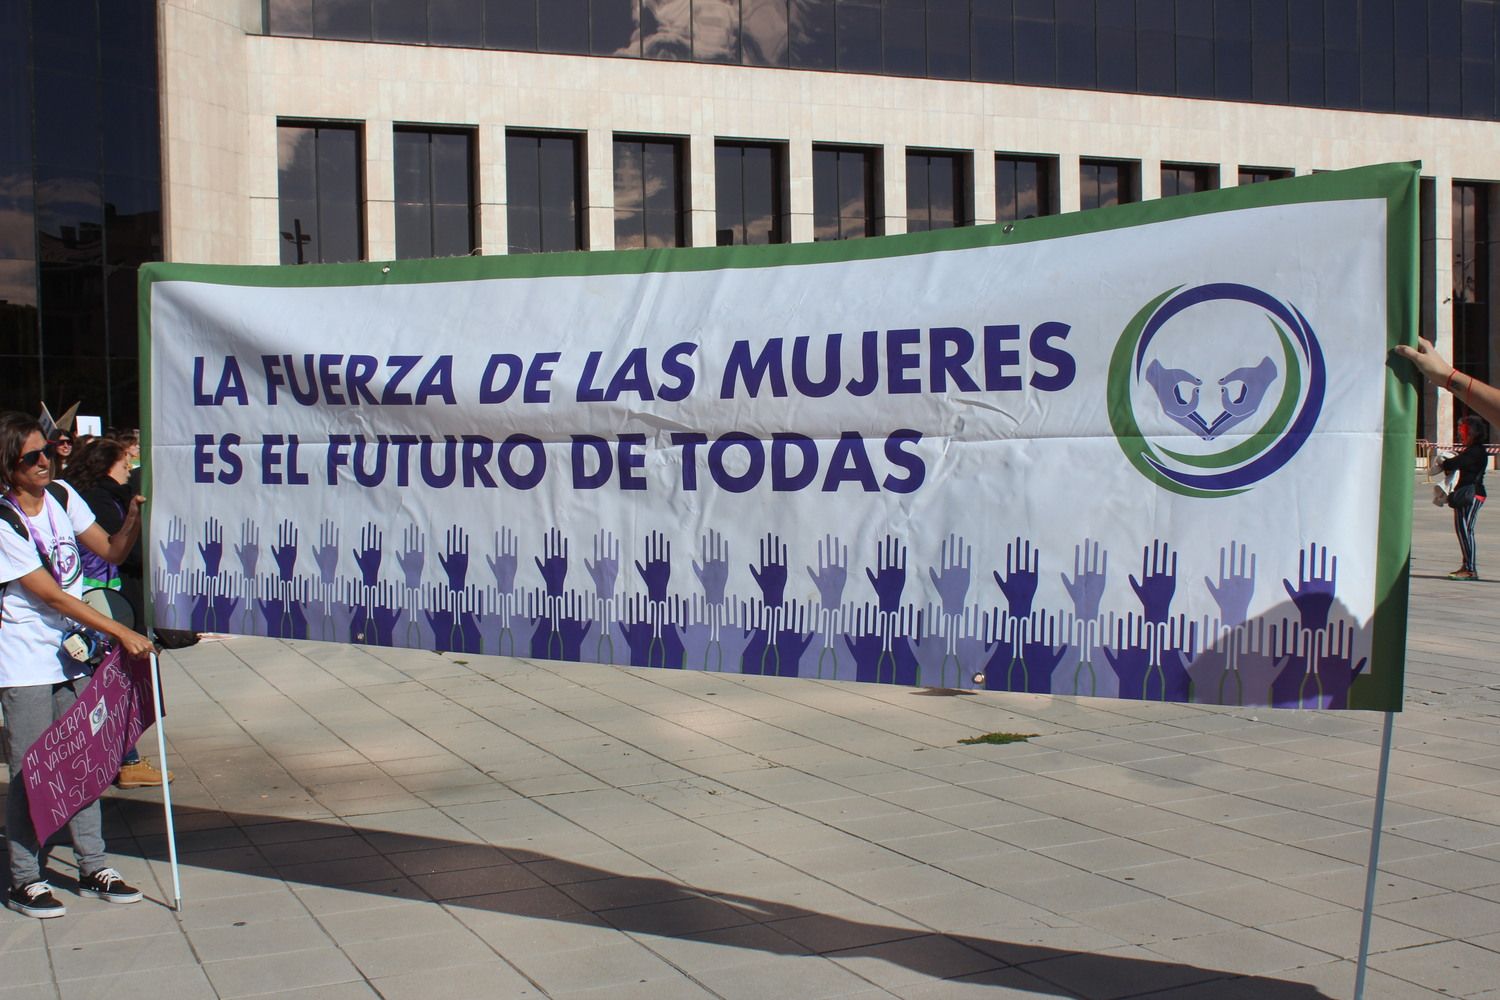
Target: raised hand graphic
554,565
604,568
770,575
1236,585
367,558
713,573
1317,576
955,562
658,569
413,557
1021,578
1157,584
1086,589
503,562
832,572
889,579
174,546
212,546
455,561
285,551
326,555
248,551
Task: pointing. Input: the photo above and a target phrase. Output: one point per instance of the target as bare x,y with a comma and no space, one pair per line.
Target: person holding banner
1482,398
40,584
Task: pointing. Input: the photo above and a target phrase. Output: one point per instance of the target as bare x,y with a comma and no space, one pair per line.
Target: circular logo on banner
1213,388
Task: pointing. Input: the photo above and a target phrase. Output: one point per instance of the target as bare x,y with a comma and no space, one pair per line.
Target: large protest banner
1152,452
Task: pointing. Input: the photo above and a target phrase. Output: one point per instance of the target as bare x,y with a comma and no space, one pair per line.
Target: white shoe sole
134,897
29,911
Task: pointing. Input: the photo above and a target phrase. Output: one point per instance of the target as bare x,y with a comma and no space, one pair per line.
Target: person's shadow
528,883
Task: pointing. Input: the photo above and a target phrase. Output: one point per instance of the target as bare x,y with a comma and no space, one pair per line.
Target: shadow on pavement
530,884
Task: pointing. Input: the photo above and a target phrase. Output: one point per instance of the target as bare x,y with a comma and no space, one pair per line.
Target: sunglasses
30,458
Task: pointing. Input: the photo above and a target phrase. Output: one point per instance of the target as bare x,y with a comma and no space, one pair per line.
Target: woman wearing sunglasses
40,583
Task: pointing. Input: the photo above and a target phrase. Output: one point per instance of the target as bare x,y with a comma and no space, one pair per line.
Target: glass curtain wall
844,202
1102,183
434,192
749,193
1185,178
543,192
936,191
1025,187
650,200
321,200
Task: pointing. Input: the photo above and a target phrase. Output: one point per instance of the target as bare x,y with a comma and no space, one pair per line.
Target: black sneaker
35,899
106,884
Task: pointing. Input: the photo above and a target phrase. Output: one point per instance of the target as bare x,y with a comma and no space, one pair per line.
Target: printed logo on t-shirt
66,563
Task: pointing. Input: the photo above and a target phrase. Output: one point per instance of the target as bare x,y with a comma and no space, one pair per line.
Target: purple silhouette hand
554,568
248,551
413,558
368,558
713,574
1090,569
770,576
174,547
503,563
1021,578
1158,582
1313,595
455,561
573,625
212,546
285,552
1236,586
1337,667
658,569
210,614
956,559
833,572
604,569
326,555
890,578
1128,656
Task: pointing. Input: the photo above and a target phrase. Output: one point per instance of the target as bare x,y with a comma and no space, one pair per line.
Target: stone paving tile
243,977
177,983
1451,967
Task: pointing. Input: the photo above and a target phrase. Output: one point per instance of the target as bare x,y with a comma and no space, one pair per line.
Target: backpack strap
59,493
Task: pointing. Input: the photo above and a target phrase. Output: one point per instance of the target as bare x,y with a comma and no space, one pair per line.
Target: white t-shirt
30,632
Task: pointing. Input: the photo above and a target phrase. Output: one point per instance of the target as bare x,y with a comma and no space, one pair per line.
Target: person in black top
1468,493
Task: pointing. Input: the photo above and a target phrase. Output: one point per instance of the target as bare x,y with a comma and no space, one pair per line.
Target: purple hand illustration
1236,585
326,555
213,612
1158,582
1021,578
832,573
713,573
248,551
1337,667
174,547
554,568
890,578
1313,595
1090,569
368,557
455,561
285,551
285,619
770,575
573,625
503,562
658,569
1128,656
212,546
604,568
956,560
413,558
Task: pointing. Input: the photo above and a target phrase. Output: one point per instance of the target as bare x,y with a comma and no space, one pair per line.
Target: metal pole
166,782
1364,929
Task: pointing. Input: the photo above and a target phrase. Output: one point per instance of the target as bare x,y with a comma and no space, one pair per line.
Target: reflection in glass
399,21
666,29
434,193
764,32
858,36
648,194
716,30
748,193
320,195
1178,178
1024,187
615,27
542,178
289,17
1259,175
905,38
843,193
342,19
811,34
1102,183
935,197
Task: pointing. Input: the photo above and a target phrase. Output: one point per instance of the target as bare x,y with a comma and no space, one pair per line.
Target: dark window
562,26
858,34
1341,62
1156,46
615,27
1305,56
342,19
716,31
763,32
936,191
1410,83
1075,44
666,29
948,39
1268,55
844,205
1036,42
1025,187
1184,178
1259,175
748,193
993,50
510,24
649,196
1471,280
1377,53
434,193
811,34
289,17
543,192
1102,183
905,37
1233,68
1116,46
1444,57
398,21
1477,82
1195,48
319,168
455,22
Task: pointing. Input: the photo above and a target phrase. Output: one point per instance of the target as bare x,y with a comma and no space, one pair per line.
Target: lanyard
47,561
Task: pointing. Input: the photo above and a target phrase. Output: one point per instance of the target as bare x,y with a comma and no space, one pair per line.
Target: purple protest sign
77,757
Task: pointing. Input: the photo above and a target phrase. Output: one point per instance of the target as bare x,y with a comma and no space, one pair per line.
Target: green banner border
1378,688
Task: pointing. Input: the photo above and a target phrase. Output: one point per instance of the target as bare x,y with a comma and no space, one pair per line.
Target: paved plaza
362,822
